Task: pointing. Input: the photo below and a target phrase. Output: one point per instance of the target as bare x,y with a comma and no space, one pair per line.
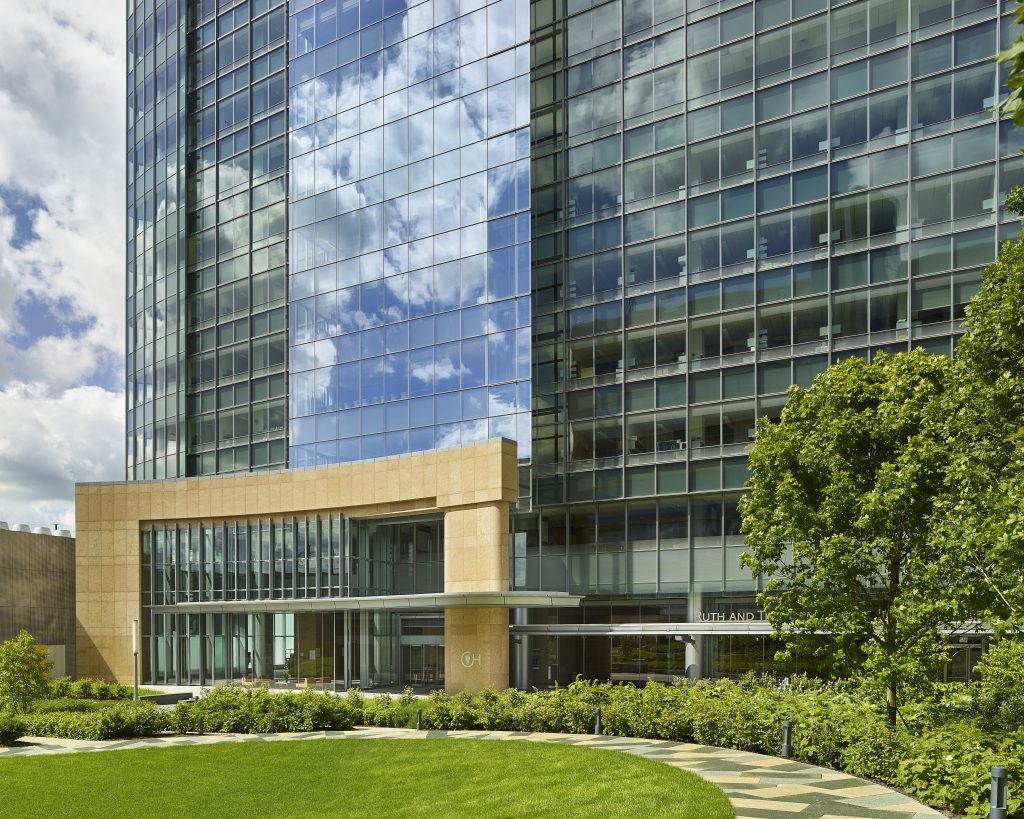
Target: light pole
135,657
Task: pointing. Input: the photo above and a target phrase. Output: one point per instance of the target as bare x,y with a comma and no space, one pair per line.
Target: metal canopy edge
524,600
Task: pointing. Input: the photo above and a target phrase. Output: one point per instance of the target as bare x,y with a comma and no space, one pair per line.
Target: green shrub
873,748
747,715
23,672
91,689
88,689
450,712
65,704
656,711
121,721
11,728
356,700
131,719
64,725
817,718
999,698
387,712
228,709
948,768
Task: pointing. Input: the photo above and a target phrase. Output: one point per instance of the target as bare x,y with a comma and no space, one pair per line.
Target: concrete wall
472,485
37,592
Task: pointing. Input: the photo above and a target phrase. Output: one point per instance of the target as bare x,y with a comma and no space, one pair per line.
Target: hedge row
257,711
120,721
11,727
89,689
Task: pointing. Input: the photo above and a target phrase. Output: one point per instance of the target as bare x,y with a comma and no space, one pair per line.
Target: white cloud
49,442
62,145
62,140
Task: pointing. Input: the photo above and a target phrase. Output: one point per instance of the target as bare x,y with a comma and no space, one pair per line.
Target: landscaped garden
940,749
357,777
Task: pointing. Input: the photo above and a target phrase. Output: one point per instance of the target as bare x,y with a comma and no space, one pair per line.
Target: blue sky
61,254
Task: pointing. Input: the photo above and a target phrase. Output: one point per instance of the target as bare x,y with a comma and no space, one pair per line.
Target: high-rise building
612,232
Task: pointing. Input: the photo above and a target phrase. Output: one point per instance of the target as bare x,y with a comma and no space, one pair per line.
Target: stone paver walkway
759,787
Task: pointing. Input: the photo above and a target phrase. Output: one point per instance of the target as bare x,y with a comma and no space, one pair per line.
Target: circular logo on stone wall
469,659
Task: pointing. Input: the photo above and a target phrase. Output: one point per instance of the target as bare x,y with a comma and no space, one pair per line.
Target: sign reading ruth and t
732,616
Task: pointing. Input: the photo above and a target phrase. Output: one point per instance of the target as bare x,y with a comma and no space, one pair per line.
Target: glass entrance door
422,654
423,665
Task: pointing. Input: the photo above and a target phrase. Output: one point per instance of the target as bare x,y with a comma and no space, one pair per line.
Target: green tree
983,505
838,521
1013,105
23,673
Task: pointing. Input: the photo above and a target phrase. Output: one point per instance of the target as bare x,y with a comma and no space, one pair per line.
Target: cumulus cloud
62,149
50,442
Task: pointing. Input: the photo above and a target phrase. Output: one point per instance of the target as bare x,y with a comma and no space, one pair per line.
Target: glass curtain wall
308,557
726,200
235,315
305,650
155,198
409,232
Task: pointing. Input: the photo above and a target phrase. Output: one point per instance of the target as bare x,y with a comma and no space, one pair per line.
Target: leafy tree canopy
23,673
839,519
983,417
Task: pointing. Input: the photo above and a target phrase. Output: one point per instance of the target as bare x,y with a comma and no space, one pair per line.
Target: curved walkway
759,787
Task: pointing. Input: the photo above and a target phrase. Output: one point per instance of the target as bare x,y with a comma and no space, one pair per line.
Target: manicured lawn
365,778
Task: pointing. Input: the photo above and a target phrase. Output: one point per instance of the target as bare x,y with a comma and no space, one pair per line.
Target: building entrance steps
758,786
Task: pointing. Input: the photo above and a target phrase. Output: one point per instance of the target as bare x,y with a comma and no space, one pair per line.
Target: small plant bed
395,778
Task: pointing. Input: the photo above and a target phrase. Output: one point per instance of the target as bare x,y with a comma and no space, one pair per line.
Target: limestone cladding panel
483,477
476,648
476,548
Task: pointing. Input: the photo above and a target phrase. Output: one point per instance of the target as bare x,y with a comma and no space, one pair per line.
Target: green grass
365,778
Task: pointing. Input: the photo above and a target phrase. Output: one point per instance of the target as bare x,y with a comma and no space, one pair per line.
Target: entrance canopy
417,602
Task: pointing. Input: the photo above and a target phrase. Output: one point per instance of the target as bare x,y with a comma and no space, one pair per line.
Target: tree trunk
890,703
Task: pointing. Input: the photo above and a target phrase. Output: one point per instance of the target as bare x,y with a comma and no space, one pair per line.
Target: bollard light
135,658
199,725
998,797
419,719
787,739
597,721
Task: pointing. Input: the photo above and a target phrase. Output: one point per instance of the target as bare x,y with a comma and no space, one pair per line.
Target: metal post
597,721
135,657
998,796
787,739
199,725
419,719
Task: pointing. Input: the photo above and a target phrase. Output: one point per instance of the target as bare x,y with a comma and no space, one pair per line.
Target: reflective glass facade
410,259
155,201
206,204
727,197
235,362
616,232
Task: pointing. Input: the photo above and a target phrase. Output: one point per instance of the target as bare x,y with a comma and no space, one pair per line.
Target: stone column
695,646
476,648
476,639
